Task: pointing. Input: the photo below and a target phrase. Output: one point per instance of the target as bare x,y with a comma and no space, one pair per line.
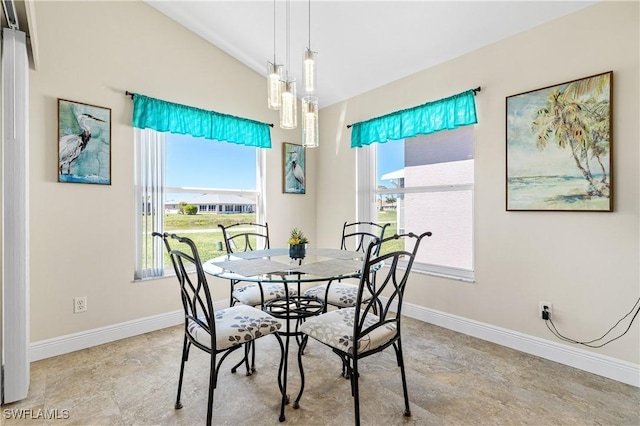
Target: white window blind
149,202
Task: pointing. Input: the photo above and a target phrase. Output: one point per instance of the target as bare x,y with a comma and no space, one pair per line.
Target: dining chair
245,237
356,236
214,332
357,332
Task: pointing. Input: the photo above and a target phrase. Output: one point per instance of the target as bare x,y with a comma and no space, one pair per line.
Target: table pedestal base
296,309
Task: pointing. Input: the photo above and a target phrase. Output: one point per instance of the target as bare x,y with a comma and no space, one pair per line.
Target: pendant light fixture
310,121
274,73
310,137
289,107
309,70
309,63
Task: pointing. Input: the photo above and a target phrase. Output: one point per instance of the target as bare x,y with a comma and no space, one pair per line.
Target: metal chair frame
236,239
198,308
362,238
262,231
390,280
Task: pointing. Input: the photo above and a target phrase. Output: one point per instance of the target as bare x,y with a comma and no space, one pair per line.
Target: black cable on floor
556,333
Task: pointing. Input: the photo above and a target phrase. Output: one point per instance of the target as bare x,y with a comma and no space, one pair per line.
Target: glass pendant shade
309,71
310,122
274,75
288,108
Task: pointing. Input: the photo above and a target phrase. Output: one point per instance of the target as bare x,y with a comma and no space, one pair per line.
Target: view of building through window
425,183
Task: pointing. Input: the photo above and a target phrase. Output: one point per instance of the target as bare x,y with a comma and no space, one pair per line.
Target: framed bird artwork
294,165
84,143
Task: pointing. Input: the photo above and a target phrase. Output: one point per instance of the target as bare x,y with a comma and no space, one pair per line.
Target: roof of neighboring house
215,199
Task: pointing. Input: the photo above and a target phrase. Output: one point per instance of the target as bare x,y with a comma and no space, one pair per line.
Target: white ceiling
361,45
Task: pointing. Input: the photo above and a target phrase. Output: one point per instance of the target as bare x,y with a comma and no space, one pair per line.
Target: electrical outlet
79,304
541,309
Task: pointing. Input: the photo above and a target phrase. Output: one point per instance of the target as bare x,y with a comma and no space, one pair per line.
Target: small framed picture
84,143
559,147
294,165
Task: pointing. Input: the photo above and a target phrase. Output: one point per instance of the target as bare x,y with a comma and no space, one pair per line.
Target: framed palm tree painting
559,147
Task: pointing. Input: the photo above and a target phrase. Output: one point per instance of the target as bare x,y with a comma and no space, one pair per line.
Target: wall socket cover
79,305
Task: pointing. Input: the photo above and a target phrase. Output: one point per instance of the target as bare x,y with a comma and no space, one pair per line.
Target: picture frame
84,143
293,168
558,142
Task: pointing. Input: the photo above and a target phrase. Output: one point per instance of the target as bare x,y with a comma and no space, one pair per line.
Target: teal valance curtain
444,114
163,116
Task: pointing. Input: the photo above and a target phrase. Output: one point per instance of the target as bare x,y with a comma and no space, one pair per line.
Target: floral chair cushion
250,294
335,329
235,326
341,294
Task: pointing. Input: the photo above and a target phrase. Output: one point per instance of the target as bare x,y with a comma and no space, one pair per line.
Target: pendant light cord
288,39
309,24
274,32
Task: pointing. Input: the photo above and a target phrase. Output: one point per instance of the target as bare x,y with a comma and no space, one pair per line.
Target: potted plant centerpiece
297,244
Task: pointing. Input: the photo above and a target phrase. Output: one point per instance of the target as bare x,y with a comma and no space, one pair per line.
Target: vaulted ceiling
361,45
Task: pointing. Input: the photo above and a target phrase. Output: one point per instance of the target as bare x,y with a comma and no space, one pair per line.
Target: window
223,181
424,183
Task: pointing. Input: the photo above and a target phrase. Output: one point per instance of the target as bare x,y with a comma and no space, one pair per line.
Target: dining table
276,266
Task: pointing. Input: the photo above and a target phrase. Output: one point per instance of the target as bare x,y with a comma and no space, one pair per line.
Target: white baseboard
601,365
85,339
98,336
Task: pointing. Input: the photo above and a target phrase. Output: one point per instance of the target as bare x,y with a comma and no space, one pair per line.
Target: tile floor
453,379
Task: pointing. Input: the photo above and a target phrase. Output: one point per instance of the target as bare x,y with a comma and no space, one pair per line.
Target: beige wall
586,264
82,236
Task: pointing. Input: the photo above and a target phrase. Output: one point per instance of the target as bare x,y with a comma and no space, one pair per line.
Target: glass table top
275,265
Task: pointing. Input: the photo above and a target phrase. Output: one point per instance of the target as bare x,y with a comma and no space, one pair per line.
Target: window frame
367,194
149,147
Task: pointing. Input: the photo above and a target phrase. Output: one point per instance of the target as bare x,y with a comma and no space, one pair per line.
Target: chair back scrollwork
246,236
357,236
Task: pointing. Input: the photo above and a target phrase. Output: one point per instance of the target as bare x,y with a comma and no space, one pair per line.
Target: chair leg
395,349
185,354
253,358
355,391
247,349
212,385
345,365
249,346
407,411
